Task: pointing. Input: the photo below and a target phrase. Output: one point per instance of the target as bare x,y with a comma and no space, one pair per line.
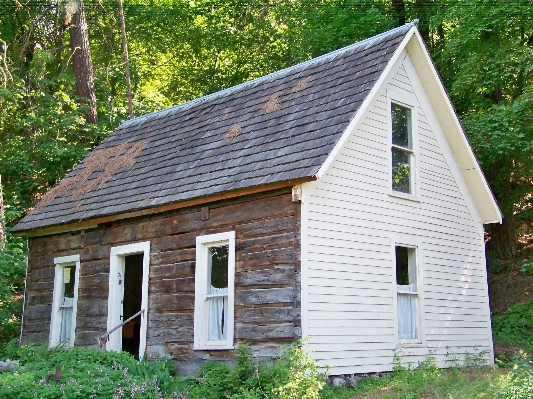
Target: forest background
52,115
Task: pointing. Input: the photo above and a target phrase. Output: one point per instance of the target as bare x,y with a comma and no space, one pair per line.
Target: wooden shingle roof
278,128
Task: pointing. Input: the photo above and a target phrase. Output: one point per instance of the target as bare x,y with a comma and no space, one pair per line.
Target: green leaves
12,271
294,375
86,373
515,325
487,62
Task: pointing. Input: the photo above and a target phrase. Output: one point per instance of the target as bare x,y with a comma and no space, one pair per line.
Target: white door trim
116,266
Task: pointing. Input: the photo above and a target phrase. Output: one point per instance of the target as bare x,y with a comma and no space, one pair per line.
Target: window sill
213,348
408,197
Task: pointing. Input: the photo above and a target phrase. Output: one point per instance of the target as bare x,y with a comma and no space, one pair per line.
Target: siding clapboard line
350,221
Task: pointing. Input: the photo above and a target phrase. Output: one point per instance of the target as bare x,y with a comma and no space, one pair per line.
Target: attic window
402,148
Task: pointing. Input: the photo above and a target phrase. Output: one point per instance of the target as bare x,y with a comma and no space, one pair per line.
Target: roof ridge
271,75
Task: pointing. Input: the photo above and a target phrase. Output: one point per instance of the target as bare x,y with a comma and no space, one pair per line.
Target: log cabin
337,199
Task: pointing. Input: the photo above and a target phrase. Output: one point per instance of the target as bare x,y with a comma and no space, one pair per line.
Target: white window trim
113,309
414,243
201,313
60,264
406,100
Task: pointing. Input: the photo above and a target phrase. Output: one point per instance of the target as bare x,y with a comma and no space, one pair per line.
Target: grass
445,384
430,382
294,376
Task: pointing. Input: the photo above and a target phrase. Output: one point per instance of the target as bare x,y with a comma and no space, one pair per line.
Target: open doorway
128,297
131,303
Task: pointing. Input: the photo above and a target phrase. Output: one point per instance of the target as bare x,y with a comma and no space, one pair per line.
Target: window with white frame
64,305
402,148
214,291
407,291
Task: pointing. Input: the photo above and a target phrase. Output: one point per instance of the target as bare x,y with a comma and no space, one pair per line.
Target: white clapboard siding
354,346
367,297
384,314
351,223
453,317
351,278
345,202
448,277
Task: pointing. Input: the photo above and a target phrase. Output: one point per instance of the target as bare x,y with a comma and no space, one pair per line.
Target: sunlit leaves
43,132
488,62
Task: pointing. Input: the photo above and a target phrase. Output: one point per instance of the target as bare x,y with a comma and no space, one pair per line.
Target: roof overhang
480,191
92,223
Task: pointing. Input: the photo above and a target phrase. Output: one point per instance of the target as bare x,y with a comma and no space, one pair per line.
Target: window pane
406,281
68,281
65,329
401,180
401,126
218,279
218,315
406,269
407,316
218,266
402,266
67,302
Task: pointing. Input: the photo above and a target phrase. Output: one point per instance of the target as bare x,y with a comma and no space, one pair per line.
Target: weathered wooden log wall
267,281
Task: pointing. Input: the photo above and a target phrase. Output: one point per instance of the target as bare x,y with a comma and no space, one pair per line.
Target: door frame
116,293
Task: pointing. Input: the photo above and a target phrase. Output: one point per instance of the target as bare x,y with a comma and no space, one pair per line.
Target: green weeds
87,373
84,373
515,326
293,375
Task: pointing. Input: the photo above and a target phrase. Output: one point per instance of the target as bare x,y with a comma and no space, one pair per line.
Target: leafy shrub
520,384
527,267
12,271
86,373
294,375
515,326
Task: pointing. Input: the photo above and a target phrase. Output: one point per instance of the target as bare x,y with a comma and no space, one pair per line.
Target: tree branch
3,68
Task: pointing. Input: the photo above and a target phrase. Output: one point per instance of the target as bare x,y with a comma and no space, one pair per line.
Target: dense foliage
87,373
84,373
519,383
93,374
183,49
515,326
293,375
12,268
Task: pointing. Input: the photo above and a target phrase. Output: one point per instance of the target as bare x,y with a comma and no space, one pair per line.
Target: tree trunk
399,10
503,237
2,222
126,57
423,11
82,62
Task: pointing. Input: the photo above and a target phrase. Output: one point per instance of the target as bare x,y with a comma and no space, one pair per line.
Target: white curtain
65,311
407,312
218,314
